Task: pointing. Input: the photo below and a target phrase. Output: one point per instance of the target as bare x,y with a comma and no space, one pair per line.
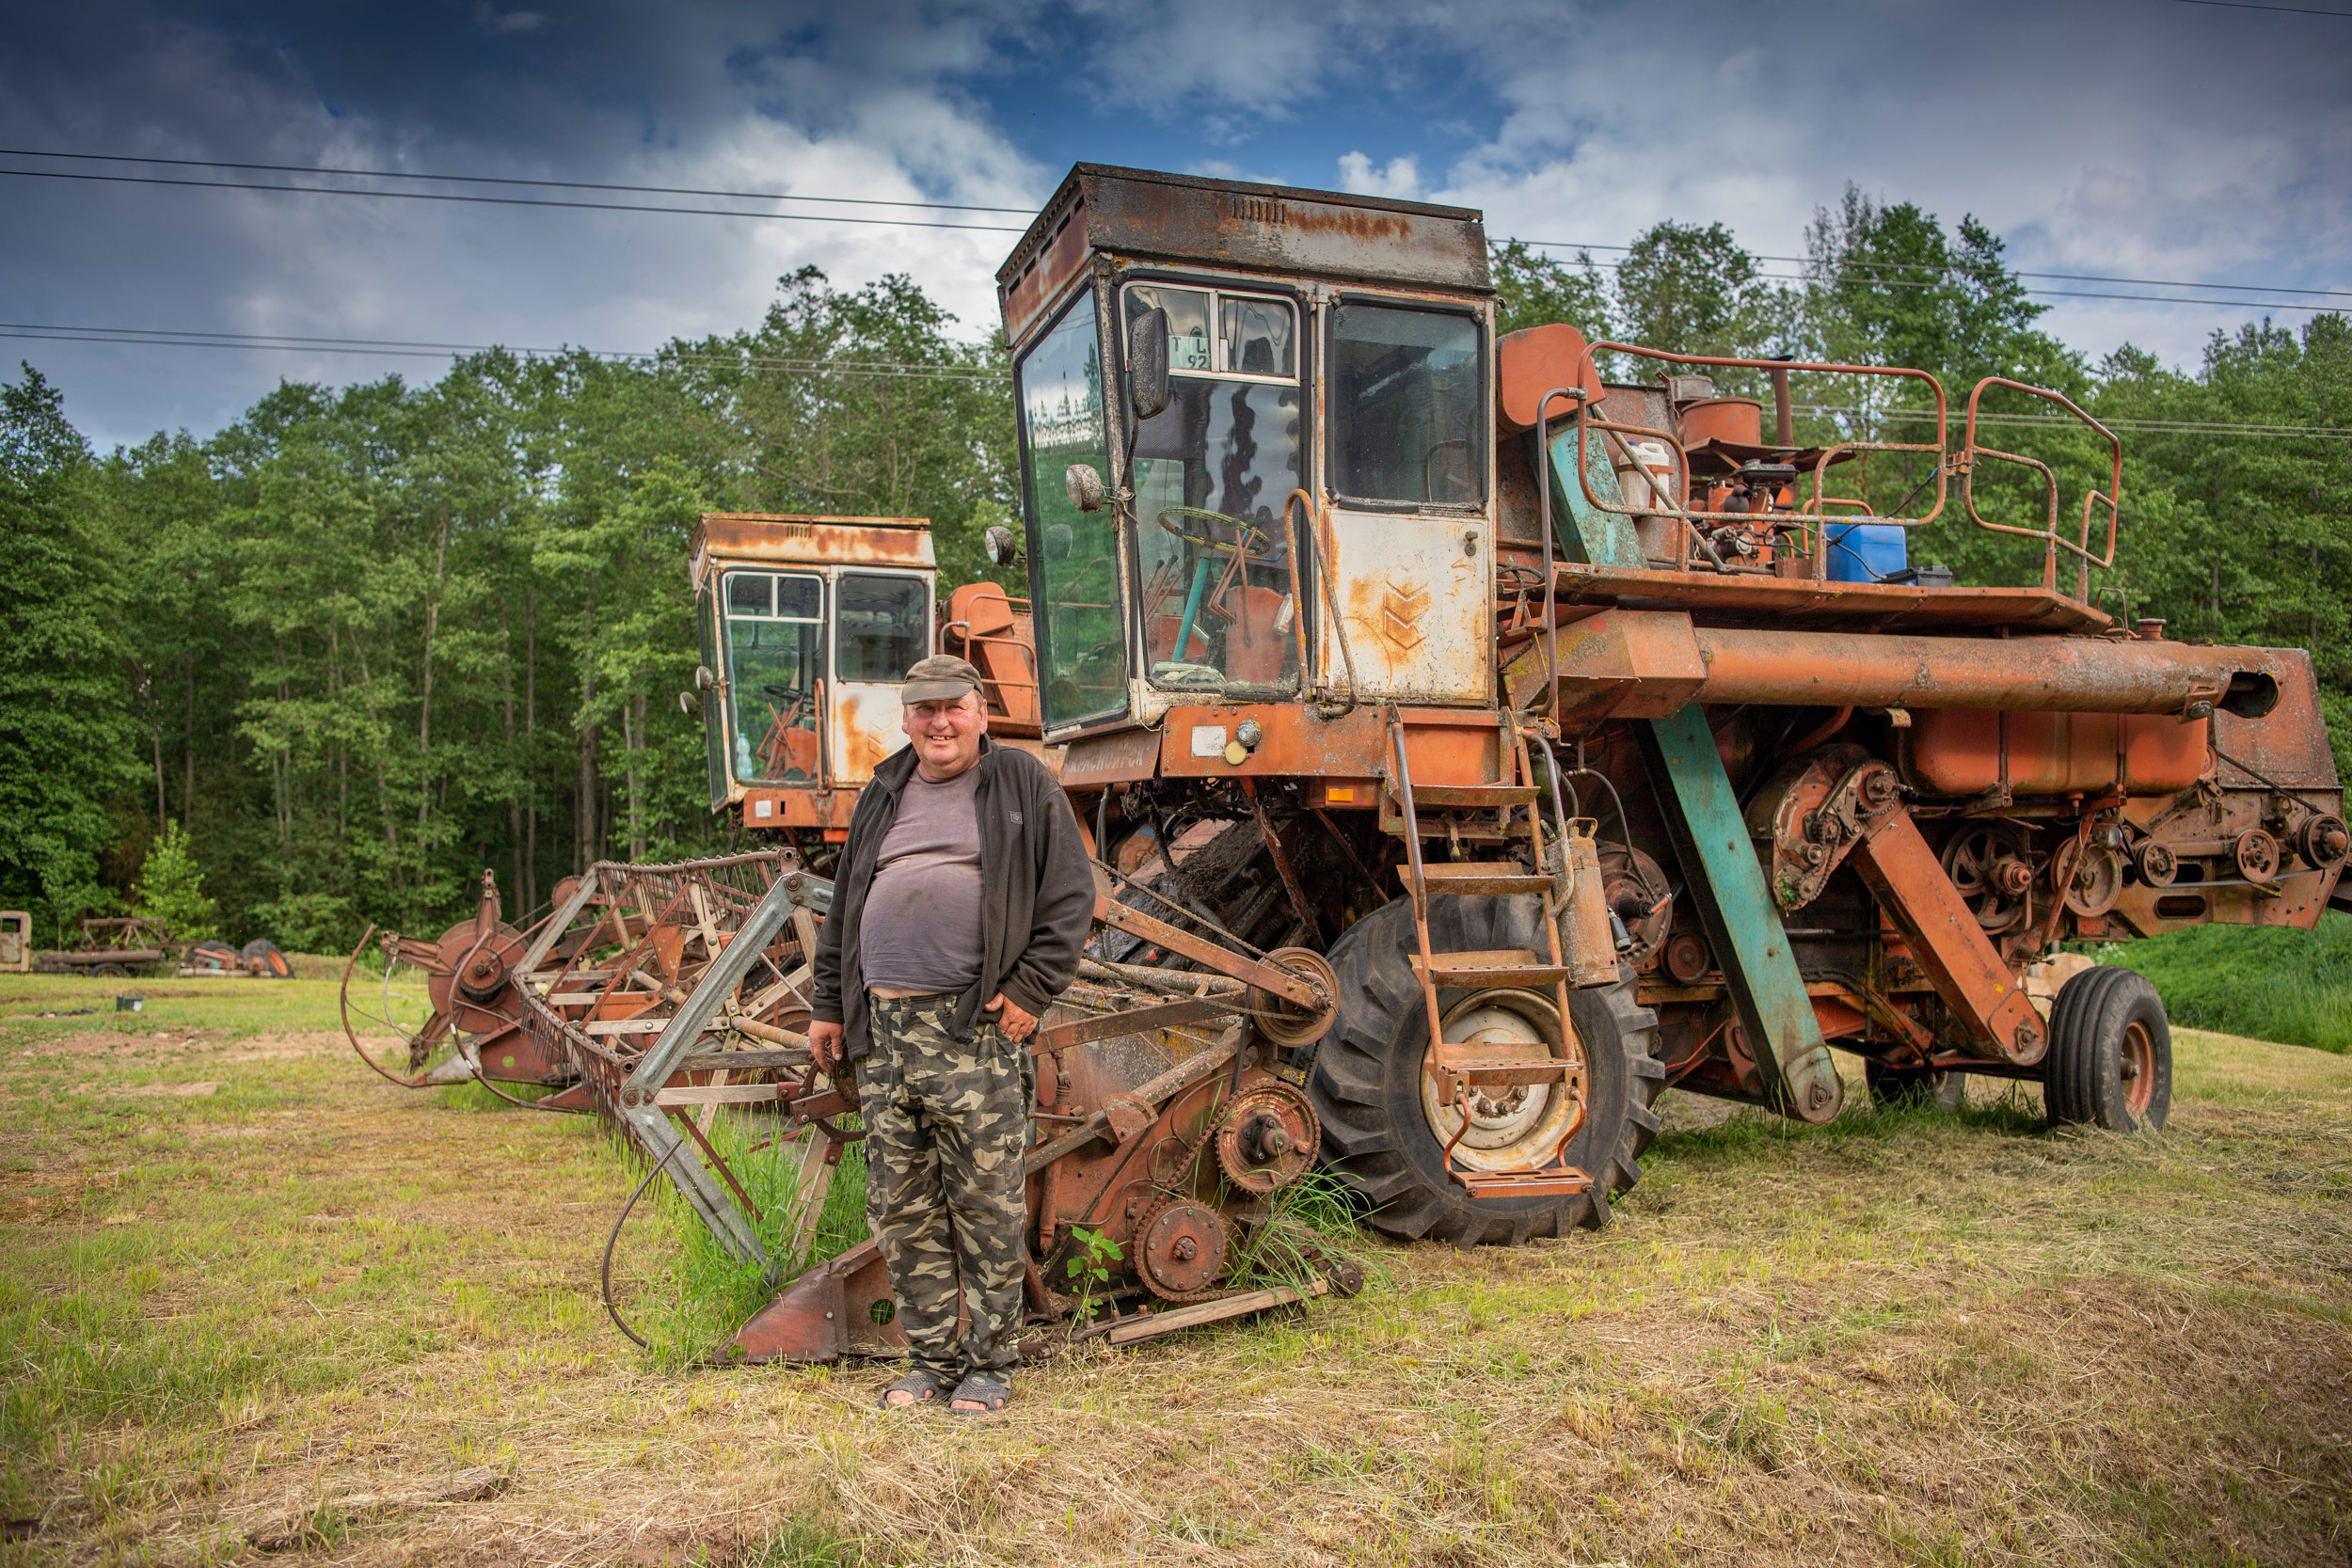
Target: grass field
253,1297
2270,982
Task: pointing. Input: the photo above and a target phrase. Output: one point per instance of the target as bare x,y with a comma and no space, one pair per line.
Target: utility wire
2249,6
499,201
999,228
500,180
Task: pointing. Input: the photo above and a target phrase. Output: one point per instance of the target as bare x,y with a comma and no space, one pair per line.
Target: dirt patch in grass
294,1310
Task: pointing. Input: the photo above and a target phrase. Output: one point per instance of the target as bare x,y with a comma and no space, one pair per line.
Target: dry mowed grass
254,1298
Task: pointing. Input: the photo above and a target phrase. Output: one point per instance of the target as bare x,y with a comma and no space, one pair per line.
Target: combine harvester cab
1602,741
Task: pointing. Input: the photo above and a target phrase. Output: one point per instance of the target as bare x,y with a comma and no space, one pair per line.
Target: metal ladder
1460,1069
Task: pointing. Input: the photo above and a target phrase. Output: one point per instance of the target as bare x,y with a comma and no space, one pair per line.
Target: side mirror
704,679
689,705
1001,546
1146,364
1085,486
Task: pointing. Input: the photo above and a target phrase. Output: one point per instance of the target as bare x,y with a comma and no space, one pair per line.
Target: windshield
775,638
1081,651
1405,406
1212,470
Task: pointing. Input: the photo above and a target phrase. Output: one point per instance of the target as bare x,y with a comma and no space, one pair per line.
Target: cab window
1406,417
775,650
881,625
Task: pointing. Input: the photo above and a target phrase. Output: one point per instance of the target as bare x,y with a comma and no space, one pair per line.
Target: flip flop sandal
991,1393
923,1385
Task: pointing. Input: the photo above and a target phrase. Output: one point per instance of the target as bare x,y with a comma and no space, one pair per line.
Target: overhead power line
393,348
1939,268
497,200
2249,5
1946,268
503,180
401,348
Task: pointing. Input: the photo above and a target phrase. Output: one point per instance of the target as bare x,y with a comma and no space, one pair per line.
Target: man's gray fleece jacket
1037,908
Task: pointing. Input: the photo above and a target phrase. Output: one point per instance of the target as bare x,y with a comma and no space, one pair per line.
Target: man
961,904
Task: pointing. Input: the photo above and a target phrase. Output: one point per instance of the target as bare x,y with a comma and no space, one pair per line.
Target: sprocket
1180,1247
1267,1137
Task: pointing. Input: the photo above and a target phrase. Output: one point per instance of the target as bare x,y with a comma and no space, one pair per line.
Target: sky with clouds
2154,139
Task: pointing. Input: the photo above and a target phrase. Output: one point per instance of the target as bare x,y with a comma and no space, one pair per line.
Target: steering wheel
1248,539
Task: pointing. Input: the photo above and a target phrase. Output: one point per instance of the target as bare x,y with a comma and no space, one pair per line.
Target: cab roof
771,539
1149,215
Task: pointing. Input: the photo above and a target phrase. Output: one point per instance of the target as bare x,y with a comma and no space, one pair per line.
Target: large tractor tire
2111,1059
1380,1119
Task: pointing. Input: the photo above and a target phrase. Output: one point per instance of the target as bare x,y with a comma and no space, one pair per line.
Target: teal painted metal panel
1586,532
1726,881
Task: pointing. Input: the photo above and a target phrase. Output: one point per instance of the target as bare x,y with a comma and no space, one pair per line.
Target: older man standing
962,899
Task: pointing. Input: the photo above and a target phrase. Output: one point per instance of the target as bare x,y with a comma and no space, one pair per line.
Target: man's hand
1018,1026
824,1047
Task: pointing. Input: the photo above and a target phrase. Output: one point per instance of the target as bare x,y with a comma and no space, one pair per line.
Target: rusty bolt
2028,1036
1818,1096
1185,1249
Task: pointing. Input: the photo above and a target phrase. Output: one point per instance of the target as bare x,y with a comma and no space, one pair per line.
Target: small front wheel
2110,1061
1892,1086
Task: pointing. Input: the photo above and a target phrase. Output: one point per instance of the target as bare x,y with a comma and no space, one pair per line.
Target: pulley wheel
1285,1022
2097,883
1269,1137
2257,855
1180,1249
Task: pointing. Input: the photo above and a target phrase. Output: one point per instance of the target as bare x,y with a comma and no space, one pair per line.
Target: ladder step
1524,1183
1467,797
1487,877
1508,966
1492,1074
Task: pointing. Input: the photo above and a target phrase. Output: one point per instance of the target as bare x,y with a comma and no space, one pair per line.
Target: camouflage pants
946,1125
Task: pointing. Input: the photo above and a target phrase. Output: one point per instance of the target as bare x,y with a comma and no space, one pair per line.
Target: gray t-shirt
920,929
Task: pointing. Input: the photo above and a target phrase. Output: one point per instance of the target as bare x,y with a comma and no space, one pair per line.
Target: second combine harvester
1601,736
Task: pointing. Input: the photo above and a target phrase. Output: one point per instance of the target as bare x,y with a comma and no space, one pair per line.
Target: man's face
946,735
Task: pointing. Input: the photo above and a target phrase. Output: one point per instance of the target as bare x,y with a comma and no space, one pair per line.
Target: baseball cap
941,678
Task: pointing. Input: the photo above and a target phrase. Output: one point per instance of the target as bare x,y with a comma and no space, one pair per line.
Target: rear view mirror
1146,364
1085,486
999,544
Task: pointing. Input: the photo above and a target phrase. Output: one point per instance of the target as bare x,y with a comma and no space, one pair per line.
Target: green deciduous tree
67,740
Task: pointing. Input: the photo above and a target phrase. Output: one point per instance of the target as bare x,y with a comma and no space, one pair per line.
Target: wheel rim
1525,1125
2136,1064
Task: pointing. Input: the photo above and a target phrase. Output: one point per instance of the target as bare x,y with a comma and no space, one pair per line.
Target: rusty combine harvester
807,624
1472,748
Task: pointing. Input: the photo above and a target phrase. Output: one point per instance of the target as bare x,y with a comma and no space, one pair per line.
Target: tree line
368,640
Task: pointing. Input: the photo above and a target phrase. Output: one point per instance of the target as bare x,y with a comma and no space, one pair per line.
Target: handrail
1677,505
1967,463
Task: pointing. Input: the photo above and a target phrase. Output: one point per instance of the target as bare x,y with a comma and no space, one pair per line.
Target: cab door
881,625
1408,539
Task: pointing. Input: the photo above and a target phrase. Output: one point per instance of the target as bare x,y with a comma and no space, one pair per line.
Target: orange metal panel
798,808
1120,757
1957,751
1630,663
1444,746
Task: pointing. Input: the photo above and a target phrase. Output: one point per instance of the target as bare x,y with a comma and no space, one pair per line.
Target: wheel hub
1512,1127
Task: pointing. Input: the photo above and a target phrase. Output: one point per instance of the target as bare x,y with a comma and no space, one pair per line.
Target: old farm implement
662,997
